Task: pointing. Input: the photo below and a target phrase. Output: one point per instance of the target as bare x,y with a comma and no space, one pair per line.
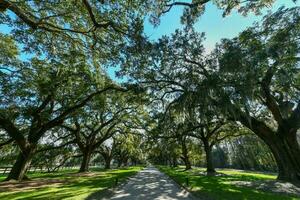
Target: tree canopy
176,99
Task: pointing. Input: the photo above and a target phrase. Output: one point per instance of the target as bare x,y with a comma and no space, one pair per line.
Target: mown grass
73,186
220,187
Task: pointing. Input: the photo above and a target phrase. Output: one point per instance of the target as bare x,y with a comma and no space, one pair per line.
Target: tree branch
186,4
270,101
13,132
59,119
294,119
56,147
35,23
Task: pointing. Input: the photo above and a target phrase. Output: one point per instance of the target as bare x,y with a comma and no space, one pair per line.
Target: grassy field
64,184
208,187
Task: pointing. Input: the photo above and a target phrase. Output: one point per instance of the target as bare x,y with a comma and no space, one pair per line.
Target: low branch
269,98
56,147
59,119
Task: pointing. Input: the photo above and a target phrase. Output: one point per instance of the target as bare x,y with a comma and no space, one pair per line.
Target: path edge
193,196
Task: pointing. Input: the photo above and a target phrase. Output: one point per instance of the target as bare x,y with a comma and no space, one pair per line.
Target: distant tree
99,121
127,148
107,151
249,152
172,127
52,159
206,124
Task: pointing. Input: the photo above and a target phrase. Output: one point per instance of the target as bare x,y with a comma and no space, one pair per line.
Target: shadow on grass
211,187
75,187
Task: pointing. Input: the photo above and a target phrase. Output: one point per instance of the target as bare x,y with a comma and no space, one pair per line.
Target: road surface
149,184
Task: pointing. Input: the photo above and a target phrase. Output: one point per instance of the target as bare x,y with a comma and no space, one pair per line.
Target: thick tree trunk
286,152
21,165
84,167
293,145
283,145
209,161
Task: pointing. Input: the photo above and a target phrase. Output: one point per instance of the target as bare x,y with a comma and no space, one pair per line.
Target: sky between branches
211,22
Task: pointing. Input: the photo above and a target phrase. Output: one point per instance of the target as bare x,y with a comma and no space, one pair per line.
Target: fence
45,169
33,169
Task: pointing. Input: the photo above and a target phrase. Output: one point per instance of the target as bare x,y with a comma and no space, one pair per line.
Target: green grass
73,186
220,188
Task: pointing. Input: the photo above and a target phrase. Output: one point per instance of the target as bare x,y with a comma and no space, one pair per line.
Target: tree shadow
221,187
70,185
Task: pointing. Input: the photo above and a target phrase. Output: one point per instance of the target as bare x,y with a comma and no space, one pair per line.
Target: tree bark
21,165
107,162
282,143
285,153
84,167
209,161
293,145
185,156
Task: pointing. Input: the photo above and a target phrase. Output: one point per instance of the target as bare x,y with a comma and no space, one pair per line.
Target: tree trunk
21,165
169,162
286,152
283,145
174,162
187,163
107,162
119,163
209,161
125,162
294,148
85,161
185,156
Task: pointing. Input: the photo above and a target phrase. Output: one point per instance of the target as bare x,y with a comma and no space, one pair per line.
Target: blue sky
211,22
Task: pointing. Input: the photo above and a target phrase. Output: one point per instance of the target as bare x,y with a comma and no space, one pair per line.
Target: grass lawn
209,187
64,184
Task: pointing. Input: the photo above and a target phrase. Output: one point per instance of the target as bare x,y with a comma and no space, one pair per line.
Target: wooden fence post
187,181
116,181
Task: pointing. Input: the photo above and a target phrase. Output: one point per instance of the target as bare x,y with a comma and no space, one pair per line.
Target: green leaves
9,52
